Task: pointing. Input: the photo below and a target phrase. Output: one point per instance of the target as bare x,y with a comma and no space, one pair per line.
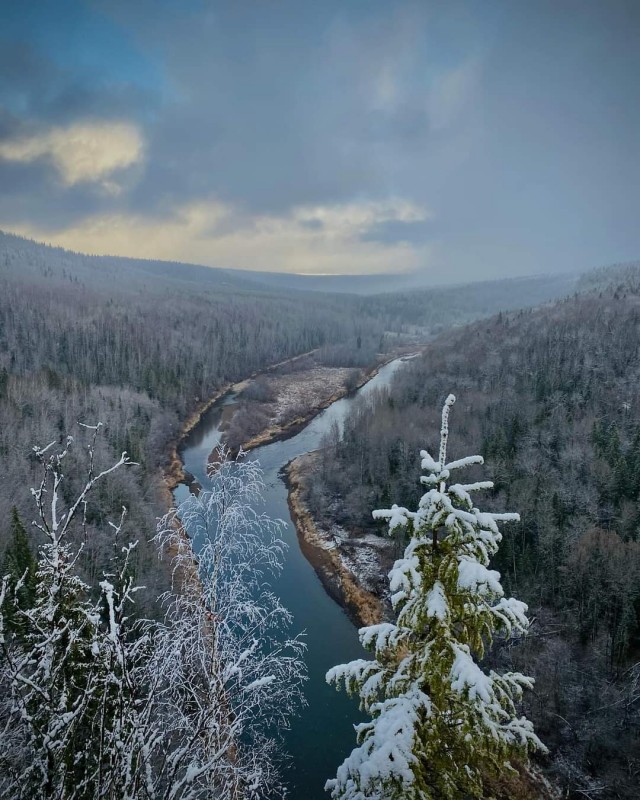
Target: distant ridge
99,268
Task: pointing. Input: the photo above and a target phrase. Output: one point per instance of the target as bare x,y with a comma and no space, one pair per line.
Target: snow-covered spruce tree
439,721
228,676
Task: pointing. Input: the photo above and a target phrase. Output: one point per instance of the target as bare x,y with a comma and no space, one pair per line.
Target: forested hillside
135,345
551,398
138,344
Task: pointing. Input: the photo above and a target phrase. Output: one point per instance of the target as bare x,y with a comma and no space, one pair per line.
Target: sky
464,140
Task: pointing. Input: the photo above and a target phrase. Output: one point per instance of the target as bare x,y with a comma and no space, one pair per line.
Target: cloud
385,87
309,239
349,219
517,127
82,152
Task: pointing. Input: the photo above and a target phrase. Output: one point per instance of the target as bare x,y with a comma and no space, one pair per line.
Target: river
322,736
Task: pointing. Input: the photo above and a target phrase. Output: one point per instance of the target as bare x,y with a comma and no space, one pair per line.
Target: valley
319,400
337,429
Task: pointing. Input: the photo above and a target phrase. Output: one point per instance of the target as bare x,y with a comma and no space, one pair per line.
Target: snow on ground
363,556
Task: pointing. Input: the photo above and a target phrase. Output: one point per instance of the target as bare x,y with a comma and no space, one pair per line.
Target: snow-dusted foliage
229,679
68,712
439,721
97,703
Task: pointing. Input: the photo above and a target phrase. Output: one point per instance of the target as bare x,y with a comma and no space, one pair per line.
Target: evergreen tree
95,703
55,674
439,721
20,567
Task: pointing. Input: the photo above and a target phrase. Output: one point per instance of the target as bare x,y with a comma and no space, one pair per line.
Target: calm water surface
322,736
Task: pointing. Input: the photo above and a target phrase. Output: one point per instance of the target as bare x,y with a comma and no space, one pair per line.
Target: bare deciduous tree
231,679
96,703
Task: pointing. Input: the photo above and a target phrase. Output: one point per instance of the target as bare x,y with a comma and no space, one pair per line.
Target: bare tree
96,703
52,675
231,680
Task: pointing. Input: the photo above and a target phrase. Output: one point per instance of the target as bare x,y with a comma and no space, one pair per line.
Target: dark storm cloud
514,126
30,191
60,62
277,106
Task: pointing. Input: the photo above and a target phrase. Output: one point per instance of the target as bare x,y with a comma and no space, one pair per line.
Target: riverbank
312,390
174,473
318,388
343,580
319,548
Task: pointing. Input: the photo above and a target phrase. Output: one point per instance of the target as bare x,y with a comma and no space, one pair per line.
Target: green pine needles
20,566
439,722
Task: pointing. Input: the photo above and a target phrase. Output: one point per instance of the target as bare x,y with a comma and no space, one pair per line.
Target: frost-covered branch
97,703
231,675
65,672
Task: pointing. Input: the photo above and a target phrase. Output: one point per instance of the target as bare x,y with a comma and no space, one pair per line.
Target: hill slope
551,398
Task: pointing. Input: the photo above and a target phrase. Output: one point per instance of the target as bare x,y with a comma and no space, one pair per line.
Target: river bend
322,736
